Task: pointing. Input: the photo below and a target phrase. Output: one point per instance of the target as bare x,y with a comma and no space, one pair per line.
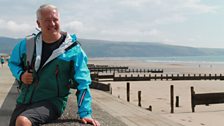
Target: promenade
107,109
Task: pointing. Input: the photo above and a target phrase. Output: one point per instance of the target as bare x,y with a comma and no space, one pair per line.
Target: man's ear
38,23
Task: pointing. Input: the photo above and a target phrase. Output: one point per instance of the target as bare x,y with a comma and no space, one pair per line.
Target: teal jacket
52,81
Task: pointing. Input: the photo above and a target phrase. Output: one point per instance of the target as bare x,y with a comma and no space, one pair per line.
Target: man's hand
90,121
27,78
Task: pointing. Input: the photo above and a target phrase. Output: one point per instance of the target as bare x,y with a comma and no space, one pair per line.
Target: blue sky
196,23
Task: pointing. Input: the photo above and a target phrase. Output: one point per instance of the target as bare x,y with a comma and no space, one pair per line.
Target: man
45,82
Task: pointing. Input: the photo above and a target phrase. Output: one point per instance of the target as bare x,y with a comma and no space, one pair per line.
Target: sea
181,59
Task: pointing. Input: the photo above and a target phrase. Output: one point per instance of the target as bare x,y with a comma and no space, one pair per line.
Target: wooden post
128,91
139,98
177,101
110,88
150,108
171,98
192,99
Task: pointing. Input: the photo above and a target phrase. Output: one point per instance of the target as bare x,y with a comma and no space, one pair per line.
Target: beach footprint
183,119
202,124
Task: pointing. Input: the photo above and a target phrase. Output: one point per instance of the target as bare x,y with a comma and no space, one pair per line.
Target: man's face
49,22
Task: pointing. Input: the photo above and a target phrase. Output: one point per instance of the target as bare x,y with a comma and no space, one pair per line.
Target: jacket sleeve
15,61
82,77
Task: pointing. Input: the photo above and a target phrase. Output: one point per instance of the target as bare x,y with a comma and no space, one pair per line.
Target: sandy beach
157,93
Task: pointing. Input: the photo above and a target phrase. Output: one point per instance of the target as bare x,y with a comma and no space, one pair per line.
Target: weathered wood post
139,98
177,101
110,88
192,99
150,108
128,91
171,99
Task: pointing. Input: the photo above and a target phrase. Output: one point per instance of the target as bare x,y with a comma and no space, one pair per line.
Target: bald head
45,7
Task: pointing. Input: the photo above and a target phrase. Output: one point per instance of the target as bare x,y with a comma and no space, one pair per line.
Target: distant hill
7,44
102,48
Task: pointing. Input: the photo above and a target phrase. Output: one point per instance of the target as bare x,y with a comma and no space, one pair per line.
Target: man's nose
52,23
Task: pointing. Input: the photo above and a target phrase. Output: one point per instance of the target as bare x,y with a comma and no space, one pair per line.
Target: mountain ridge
108,48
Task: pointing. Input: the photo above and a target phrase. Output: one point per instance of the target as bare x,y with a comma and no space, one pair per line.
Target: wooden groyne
148,77
205,98
169,77
120,69
105,68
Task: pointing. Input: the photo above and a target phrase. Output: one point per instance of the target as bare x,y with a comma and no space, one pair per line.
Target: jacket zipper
34,88
82,97
27,89
56,74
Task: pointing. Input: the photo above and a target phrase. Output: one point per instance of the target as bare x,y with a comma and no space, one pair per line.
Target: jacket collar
68,41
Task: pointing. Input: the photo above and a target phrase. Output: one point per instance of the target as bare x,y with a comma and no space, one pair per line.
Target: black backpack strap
72,45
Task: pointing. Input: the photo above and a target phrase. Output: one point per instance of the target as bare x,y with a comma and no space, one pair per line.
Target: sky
195,23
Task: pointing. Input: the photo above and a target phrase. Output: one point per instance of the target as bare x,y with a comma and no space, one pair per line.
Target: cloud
14,28
199,6
142,20
75,26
